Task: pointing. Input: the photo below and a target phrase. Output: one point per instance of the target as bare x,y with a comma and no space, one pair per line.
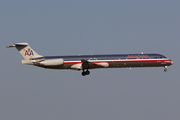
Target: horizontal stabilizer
18,44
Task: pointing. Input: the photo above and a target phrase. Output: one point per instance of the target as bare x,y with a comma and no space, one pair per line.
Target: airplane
86,62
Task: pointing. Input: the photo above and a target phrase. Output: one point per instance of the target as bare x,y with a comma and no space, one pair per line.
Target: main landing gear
87,72
165,68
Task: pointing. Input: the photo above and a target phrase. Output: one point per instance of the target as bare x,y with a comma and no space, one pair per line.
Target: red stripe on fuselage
118,61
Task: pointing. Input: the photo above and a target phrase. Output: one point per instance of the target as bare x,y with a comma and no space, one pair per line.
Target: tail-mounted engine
45,63
51,62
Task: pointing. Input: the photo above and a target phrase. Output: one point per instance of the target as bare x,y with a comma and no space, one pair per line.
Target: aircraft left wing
87,65
90,65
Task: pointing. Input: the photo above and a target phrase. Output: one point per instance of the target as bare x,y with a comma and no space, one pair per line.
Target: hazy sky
79,27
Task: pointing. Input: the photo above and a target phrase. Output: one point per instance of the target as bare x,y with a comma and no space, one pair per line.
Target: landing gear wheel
83,73
87,72
165,68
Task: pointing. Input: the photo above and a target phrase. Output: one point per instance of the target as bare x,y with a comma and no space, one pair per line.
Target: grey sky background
79,27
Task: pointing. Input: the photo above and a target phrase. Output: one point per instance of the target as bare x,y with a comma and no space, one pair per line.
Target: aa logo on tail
29,52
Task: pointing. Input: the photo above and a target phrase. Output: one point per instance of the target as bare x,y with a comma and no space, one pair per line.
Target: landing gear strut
87,72
165,68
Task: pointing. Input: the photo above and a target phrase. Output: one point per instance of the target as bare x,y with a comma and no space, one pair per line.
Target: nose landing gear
87,72
165,68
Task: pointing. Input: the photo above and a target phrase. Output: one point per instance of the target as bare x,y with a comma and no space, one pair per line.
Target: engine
52,62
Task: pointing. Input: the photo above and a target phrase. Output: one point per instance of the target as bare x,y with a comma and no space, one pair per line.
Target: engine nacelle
52,62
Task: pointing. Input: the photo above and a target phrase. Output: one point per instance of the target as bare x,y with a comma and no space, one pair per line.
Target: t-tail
25,50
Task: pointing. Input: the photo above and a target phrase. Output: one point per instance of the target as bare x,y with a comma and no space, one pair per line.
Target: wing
89,65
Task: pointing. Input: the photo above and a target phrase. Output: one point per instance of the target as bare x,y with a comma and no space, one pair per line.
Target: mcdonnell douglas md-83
86,62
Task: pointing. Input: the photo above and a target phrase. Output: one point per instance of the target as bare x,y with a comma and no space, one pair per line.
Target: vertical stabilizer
25,50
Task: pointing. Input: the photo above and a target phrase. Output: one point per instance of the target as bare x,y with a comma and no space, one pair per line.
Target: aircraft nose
172,62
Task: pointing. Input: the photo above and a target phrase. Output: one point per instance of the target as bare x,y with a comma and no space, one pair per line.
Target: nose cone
172,62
